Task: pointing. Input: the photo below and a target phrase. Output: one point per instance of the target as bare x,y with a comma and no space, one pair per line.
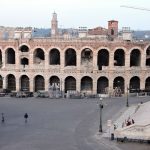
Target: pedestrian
115,127
26,117
133,121
3,118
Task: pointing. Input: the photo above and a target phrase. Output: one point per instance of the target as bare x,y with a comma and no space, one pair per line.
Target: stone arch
87,58
24,83
86,84
11,82
10,56
70,84
103,58
39,56
102,85
1,82
119,57
39,83
119,86
148,56
70,57
134,86
24,48
54,57
0,58
135,57
147,84
24,61
54,79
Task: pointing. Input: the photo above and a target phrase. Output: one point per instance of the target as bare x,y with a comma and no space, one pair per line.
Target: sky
74,13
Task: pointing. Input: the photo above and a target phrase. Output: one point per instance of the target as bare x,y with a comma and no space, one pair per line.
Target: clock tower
54,25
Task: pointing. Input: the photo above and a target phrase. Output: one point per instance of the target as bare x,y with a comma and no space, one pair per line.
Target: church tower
54,25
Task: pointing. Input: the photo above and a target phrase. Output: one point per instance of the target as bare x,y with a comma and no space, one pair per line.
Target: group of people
128,122
3,117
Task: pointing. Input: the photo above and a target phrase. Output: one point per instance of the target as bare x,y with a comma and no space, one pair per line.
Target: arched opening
112,31
10,55
1,82
135,58
11,82
134,84
39,56
54,57
87,58
53,80
70,57
86,85
24,48
103,58
70,84
0,58
102,85
119,57
118,86
24,61
39,83
25,83
148,56
147,84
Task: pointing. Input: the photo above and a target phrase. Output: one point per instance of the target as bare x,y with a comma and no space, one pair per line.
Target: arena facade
98,61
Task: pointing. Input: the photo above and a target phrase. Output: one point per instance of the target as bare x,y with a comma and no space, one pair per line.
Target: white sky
74,13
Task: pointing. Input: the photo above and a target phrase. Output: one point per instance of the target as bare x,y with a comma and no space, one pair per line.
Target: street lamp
100,107
127,104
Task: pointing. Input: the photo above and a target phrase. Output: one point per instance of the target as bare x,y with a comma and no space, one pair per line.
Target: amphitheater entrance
39,56
11,82
103,58
70,57
0,58
148,56
39,83
54,57
135,58
119,57
147,85
1,82
102,85
25,83
10,55
118,86
70,84
134,85
86,85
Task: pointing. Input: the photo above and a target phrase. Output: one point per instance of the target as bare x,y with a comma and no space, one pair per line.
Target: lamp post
127,103
100,107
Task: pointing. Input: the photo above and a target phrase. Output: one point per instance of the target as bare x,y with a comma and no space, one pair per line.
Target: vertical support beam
95,68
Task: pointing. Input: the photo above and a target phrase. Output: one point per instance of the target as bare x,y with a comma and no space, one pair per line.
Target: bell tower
54,25
113,28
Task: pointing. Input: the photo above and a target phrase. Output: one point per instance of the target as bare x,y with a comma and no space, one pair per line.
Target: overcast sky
74,13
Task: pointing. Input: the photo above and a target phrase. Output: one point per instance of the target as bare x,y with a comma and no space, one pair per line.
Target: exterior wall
62,71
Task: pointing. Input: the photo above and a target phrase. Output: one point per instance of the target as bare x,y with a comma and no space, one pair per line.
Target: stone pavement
140,130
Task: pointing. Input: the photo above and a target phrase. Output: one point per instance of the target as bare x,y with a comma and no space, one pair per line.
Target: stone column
4,82
46,60
111,59
110,92
95,68
143,60
3,59
17,60
18,88
31,84
78,85
78,62
142,84
127,60
62,61
94,86
46,83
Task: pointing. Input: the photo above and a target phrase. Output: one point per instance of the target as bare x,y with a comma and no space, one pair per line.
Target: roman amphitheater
97,61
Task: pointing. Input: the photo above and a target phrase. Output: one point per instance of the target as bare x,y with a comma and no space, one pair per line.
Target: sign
109,123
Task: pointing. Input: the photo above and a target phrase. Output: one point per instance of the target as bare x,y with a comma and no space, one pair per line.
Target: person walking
26,117
3,118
